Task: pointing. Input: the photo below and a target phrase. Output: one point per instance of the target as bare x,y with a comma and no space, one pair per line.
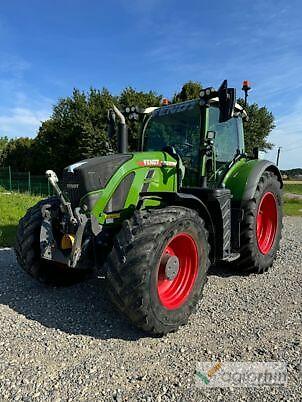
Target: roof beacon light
246,86
165,102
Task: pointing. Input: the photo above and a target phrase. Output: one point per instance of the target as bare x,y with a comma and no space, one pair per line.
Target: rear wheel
27,250
262,225
157,268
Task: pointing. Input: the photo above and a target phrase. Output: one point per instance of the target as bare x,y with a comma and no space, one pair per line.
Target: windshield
177,126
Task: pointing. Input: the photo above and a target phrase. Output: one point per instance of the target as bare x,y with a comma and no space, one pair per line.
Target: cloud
21,122
266,49
22,107
9,64
12,69
288,135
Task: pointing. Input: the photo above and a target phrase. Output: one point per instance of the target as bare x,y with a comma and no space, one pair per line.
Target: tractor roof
182,106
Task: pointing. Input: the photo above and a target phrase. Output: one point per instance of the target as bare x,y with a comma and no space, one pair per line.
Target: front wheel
157,268
261,226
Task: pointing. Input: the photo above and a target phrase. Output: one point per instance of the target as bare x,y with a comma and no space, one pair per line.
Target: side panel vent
117,202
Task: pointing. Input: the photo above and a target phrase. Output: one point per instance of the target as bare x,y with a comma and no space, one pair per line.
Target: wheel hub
171,263
267,223
177,271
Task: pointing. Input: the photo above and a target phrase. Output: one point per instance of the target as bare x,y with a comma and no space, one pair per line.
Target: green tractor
153,221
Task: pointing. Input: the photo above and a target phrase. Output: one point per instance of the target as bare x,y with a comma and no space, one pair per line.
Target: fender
255,175
243,177
192,202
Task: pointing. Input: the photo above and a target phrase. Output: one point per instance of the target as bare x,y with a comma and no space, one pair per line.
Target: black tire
27,248
251,258
133,264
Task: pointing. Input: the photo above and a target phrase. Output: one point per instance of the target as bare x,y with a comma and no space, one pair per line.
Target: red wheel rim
173,293
267,221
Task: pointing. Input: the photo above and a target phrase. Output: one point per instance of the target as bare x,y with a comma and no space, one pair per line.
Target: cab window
227,138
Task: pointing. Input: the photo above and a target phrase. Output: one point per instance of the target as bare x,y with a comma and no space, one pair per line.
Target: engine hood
89,175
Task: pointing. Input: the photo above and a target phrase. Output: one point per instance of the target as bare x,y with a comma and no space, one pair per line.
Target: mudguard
255,175
243,177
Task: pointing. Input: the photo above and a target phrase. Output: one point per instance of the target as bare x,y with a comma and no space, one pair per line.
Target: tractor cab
205,144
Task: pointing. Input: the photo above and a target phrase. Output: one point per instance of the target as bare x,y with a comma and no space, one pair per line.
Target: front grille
71,188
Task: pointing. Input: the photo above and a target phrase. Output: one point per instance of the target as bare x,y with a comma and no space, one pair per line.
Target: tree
94,140
258,126
190,90
18,154
3,144
76,130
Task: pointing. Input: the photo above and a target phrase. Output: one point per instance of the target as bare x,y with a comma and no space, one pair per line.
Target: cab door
228,142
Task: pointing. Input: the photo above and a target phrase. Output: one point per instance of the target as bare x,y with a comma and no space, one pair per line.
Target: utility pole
246,86
278,156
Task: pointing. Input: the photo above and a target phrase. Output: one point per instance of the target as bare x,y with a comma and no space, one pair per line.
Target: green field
14,205
292,207
12,208
292,188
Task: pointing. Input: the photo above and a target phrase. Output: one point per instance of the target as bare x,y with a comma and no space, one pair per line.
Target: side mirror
256,153
227,100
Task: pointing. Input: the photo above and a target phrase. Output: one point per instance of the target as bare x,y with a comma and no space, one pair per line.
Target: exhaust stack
122,134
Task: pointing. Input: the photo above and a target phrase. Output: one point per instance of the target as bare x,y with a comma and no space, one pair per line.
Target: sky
49,47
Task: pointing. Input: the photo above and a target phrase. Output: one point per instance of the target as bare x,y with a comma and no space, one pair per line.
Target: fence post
10,178
29,183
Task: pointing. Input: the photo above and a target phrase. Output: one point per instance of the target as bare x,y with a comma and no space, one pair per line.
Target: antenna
278,156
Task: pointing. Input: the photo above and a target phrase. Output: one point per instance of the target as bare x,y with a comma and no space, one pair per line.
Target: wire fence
24,182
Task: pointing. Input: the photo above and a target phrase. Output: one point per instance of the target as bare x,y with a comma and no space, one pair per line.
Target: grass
292,188
292,207
12,207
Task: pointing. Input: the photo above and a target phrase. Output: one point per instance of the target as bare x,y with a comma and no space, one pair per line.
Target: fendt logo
150,162
156,163
72,186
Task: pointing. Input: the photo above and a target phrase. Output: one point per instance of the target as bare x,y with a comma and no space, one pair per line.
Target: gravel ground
70,344
293,196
